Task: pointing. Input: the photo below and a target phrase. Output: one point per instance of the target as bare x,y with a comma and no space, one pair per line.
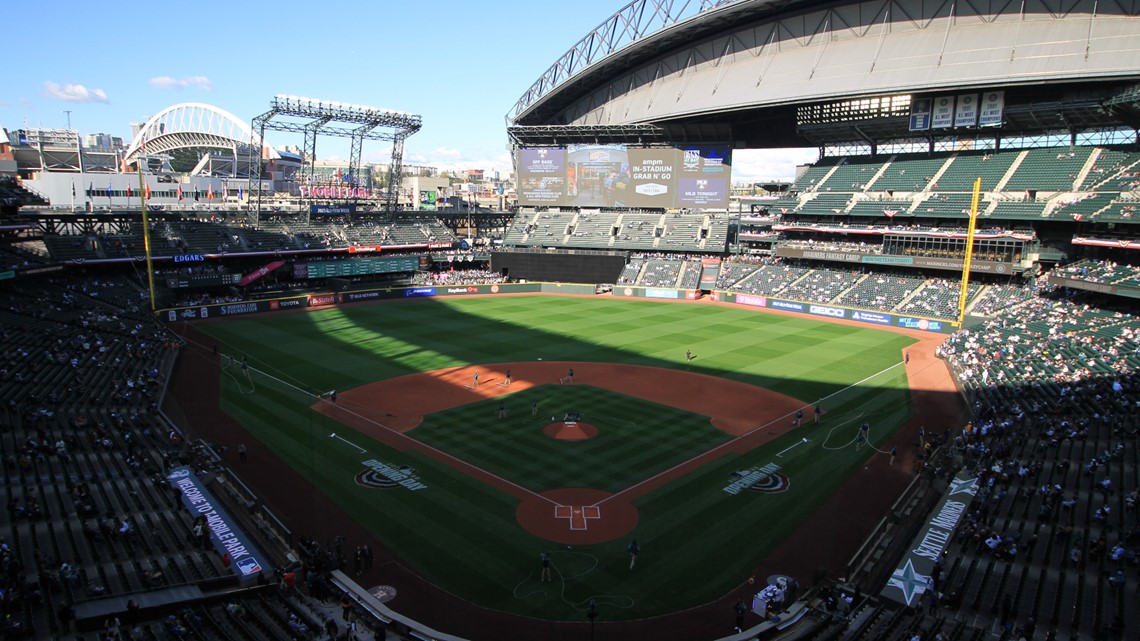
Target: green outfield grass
698,541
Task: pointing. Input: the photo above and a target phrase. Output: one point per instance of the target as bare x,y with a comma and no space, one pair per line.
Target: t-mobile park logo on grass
765,478
381,476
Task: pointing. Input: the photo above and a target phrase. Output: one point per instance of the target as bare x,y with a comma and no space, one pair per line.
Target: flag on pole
210,193
128,190
73,189
91,188
180,192
108,188
146,191
240,193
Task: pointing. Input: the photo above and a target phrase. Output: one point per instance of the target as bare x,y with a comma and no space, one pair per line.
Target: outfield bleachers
968,166
1049,169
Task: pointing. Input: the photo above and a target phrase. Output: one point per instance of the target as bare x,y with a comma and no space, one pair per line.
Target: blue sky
460,65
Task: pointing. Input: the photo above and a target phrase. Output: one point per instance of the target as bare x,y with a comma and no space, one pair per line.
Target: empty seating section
593,229
999,298
1053,169
942,205
65,248
821,285
681,233
852,175
908,173
631,271
825,204
1082,206
637,230
661,273
880,208
966,167
881,291
1113,170
814,174
1017,209
770,279
717,238
938,298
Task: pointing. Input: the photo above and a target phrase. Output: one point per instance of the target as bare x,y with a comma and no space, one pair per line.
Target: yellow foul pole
146,232
969,252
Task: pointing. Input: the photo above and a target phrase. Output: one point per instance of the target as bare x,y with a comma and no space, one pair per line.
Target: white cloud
73,93
446,152
755,165
169,82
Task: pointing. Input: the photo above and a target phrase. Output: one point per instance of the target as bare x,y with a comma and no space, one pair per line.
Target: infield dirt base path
385,410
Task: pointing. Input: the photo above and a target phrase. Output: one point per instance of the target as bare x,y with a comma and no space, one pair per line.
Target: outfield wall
872,317
306,301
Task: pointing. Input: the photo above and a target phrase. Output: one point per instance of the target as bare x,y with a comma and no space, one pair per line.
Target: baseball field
678,429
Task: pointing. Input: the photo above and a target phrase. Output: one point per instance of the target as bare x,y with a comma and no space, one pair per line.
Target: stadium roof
740,72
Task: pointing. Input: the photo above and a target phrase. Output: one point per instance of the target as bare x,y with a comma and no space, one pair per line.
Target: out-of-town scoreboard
356,267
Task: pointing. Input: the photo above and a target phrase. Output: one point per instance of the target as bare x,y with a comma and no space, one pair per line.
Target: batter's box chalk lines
578,515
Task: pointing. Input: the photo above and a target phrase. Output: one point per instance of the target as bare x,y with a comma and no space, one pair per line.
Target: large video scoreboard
355,267
624,176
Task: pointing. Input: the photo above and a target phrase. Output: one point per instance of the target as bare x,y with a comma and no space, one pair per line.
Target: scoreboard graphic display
624,176
355,267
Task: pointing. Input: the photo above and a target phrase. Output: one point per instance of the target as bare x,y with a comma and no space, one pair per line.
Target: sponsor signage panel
887,260
419,291
825,310
871,317
791,306
324,299
924,324
755,301
653,292
286,303
246,560
343,209
912,576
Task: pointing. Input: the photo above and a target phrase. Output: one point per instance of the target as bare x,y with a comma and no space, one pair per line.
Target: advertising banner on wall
912,577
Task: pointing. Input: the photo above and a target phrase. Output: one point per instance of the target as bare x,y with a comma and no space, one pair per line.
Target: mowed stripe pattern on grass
697,541
636,438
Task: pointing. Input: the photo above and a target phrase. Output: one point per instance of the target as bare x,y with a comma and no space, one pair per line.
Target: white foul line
748,433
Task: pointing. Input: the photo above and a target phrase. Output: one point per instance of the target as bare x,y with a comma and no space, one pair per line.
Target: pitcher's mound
570,431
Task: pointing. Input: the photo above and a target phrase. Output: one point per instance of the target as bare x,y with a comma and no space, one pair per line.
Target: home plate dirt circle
570,431
577,516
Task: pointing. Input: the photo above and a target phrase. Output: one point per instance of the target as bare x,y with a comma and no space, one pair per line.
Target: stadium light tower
318,117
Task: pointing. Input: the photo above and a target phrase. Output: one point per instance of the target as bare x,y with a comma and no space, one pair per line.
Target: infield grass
698,541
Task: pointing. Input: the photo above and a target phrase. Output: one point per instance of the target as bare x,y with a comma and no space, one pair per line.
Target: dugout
559,265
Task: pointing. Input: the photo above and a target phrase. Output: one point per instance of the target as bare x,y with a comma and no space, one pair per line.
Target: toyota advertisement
623,176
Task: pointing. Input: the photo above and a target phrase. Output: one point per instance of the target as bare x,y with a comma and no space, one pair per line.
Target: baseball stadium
895,398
